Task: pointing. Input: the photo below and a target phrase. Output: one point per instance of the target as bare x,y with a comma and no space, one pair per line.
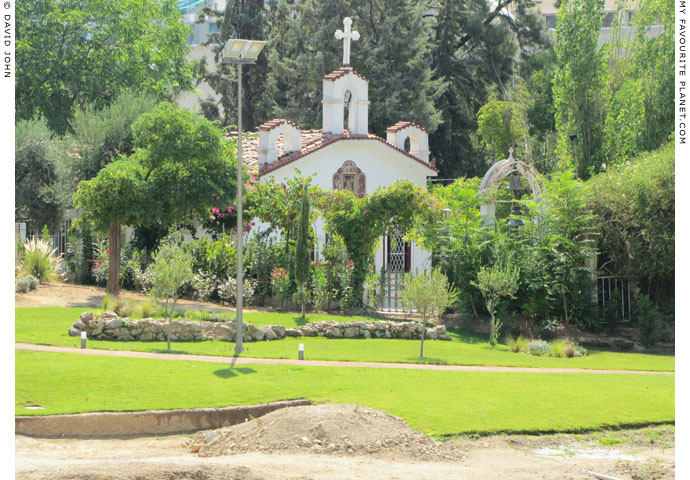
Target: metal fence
615,298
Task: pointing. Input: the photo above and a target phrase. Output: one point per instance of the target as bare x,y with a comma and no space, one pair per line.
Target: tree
500,125
35,174
302,246
240,19
71,54
99,137
392,53
578,85
171,268
430,294
495,283
475,47
179,168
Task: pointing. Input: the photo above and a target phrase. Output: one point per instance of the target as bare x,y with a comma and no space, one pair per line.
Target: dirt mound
343,429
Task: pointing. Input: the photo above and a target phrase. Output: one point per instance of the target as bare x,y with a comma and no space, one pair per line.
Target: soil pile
336,429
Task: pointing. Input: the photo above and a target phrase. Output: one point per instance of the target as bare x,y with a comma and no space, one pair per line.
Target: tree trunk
421,350
113,285
493,329
170,315
302,301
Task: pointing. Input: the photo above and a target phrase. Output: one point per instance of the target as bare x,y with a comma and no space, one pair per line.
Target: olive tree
171,268
430,294
495,283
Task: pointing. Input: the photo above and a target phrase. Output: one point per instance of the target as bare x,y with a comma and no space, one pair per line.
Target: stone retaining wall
111,327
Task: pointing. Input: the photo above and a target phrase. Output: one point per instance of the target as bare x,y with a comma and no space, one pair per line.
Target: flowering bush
205,285
227,291
280,281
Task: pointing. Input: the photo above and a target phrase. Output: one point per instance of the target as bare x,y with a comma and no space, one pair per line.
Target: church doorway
397,261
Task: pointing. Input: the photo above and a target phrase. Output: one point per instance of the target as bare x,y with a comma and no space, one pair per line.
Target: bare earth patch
274,447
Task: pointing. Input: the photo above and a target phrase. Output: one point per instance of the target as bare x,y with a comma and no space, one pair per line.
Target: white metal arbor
498,172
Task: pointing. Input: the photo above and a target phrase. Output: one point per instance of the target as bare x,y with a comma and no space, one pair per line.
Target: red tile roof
268,126
335,75
401,125
312,140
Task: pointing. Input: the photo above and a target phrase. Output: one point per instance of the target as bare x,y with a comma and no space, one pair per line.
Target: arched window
350,177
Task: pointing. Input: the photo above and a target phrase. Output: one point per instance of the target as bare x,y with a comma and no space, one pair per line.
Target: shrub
40,261
27,283
319,297
558,347
108,301
569,350
227,291
649,320
205,285
518,344
123,307
146,309
539,348
280,280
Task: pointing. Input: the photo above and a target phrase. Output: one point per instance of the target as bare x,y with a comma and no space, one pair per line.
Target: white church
347,157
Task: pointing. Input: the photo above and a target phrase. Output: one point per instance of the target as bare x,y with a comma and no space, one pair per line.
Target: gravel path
317,363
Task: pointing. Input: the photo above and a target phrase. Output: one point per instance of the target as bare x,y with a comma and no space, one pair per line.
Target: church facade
343,155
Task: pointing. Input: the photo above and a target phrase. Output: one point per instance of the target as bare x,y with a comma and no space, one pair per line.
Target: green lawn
49,326
438,403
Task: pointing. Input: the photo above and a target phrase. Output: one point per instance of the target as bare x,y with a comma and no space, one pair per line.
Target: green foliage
100,136
577,85
635,207
649,320
518,344
475,48
146,309
339,269
124,307
539,348
495,283
639,81
26,283
429,294
500,125
108,300
35,174
361,221
303,246
40,261
171,268
72,54
319,288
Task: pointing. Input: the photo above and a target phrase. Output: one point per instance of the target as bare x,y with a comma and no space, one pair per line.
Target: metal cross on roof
346,36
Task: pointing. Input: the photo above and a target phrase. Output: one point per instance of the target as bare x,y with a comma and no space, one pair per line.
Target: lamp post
240,52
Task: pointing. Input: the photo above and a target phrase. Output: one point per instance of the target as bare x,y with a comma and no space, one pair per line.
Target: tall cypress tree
302,246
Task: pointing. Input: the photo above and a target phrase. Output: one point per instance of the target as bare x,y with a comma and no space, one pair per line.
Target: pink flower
230,209
253,223
216,211
217,197
284,274
253,178
107,250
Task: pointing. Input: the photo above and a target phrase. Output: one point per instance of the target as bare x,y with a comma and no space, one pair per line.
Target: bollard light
300,352
83,339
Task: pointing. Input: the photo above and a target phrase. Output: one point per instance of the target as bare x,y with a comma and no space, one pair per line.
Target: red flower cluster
350,264
278,273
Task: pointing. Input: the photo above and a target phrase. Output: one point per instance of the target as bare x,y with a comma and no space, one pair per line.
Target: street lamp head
446,213
242,51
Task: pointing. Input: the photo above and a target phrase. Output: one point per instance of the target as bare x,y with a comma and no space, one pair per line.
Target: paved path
316,363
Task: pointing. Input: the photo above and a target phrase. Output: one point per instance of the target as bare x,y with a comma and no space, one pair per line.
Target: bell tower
346,86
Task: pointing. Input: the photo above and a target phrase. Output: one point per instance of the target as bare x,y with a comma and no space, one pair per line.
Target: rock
86,317
279,330
73,332
79,325
269,335
106,315
114,323
445,336
258,335
210,437
293,332
366,334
